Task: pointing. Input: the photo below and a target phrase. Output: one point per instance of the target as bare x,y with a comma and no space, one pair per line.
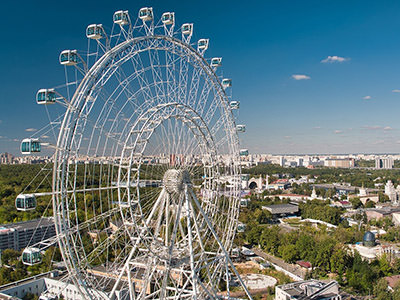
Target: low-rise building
281,209
280,184
292,197
379,213
392,281
308,289
370,250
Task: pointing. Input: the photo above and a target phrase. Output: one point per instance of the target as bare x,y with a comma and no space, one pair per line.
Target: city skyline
311,77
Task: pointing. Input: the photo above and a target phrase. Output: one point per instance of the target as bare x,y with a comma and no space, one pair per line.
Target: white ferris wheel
146,175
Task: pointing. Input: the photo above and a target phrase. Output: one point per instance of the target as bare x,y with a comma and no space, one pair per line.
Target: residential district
310,227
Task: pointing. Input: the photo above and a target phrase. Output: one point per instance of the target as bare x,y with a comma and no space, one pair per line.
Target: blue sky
345,105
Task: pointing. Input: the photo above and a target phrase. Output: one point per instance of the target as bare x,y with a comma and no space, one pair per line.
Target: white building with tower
392,192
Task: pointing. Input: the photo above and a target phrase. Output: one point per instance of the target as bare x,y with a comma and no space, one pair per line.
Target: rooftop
281,208
32,224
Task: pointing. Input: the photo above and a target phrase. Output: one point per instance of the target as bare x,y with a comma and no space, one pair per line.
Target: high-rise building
384,163
6,158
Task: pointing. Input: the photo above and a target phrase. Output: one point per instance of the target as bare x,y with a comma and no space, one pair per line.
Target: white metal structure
142,159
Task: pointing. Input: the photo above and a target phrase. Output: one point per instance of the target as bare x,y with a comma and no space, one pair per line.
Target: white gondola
29,146
95,31
216,62
187,29
235,104
121,17
241,128
226,83
244,152
46,96
25,202
245,177
69,57
202,44
235,253
31,256
146,13
241,227
168,18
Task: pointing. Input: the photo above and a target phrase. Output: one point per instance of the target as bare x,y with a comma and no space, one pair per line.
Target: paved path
292,268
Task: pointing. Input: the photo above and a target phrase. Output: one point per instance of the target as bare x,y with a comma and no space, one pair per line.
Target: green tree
288,253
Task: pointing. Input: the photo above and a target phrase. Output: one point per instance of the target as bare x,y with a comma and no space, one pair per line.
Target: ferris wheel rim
73,114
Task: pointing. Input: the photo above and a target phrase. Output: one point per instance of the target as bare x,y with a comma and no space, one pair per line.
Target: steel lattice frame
146,177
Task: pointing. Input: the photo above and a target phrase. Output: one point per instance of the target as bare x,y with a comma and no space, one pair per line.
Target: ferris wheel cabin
68,57
187,29
245,177
29,146
168,18
121,17
244,152
146,14
202,44
25,202
226,83
46,96
216,62
95,31
241,128
235,104
31,256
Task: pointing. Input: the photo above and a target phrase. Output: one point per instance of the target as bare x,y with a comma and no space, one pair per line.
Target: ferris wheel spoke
146,106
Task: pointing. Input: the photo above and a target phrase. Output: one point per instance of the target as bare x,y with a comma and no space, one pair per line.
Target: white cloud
374,127
44,136
367,97
396,91
334,58
377,127
287,137
300,77
338,131
30,129
317,127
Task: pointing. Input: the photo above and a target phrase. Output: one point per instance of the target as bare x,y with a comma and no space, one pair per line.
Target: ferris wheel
146,175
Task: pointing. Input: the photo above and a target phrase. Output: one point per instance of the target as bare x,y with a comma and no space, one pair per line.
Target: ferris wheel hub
174,180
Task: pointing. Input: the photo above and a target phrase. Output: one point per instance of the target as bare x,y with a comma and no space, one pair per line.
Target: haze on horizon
312,76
